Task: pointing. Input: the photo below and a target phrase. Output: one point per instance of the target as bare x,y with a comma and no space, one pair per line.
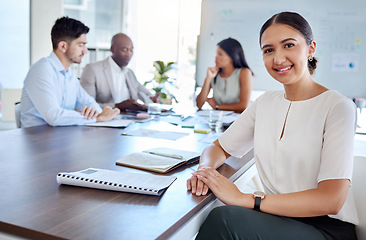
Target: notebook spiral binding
106,183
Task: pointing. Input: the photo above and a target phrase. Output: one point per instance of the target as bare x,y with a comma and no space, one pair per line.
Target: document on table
228,117
187,122
143,132
206,113
115,123
211,138
200,117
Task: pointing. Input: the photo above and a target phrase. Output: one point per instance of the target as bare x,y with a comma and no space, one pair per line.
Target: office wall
43,15
14,43
25,27
338,27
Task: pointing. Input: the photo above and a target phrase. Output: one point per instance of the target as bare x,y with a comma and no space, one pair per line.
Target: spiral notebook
117,181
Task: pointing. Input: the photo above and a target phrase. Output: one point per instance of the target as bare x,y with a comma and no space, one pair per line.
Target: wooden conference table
33,205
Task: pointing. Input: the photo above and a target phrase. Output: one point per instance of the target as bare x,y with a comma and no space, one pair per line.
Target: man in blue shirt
52,94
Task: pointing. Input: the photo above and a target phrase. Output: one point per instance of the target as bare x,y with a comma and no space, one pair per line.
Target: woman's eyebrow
288,39
283,41
266,46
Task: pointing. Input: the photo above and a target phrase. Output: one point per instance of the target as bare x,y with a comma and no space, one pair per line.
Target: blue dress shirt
53,96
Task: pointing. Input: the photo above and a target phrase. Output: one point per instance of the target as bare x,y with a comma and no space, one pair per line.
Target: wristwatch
258,196
217,107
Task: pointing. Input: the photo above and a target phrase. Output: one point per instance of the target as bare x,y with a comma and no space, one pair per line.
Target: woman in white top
303,148
230,79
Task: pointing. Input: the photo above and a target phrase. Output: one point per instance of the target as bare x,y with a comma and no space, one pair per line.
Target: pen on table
185,118
167,155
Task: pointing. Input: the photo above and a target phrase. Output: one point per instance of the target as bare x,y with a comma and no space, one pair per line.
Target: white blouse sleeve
338,138
237,140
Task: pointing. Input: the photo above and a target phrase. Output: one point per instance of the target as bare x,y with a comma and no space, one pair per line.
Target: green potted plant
162,83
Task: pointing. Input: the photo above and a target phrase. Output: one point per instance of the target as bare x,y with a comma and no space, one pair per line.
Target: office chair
359,194
17,114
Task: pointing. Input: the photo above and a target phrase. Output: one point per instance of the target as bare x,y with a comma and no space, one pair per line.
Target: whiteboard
339,28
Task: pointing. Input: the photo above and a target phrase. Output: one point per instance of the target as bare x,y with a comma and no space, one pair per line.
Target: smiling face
222,58
285,53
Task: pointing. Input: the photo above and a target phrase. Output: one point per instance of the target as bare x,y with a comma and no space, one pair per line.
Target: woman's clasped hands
206,178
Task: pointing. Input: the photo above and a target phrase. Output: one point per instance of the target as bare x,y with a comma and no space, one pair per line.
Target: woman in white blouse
303,148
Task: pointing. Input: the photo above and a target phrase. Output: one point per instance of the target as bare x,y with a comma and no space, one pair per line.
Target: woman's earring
310,59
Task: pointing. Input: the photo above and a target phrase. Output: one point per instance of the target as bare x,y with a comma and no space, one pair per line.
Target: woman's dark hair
235,51
297,22
67,29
